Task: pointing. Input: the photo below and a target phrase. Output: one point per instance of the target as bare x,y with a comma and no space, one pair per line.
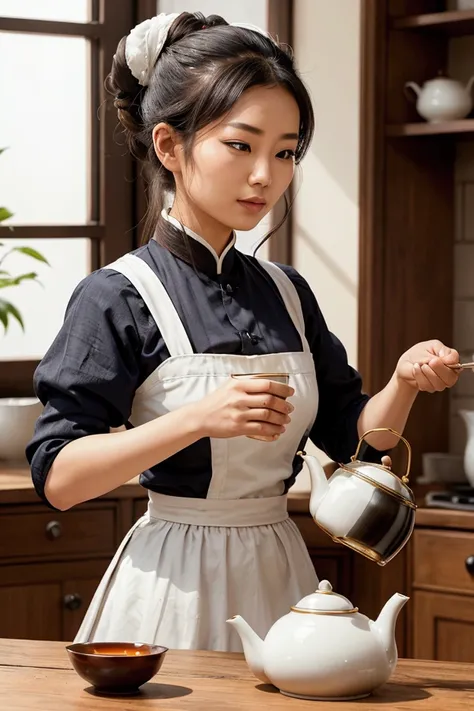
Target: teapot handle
406,476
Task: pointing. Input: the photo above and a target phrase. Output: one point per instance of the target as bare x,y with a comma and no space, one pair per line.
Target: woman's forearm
94,465
388,408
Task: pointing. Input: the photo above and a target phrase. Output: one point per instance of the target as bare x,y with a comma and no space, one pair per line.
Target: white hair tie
145,42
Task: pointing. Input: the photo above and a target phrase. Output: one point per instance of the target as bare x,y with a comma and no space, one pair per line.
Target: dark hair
204,68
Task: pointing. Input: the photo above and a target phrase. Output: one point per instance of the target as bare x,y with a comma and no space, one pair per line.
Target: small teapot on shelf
442,99
324,648
364,505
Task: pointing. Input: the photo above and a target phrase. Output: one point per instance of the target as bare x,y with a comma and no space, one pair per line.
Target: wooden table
37,676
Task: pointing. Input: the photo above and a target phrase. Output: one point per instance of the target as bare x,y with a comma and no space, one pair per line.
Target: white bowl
442,467
18,416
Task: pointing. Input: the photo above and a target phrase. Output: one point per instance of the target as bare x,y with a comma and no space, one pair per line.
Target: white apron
190,563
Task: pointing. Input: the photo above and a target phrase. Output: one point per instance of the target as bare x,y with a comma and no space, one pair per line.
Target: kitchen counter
16,488
37,676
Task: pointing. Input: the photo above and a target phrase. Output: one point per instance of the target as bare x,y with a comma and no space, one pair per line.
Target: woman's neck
213,232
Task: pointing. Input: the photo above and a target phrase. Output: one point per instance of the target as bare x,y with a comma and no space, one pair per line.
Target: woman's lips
252,206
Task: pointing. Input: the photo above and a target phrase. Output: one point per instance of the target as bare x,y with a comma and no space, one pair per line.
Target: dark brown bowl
116,667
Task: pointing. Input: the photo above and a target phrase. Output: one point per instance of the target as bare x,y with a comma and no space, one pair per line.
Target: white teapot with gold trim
324,648
364,505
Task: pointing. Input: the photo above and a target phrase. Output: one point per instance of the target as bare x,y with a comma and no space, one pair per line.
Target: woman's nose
261,174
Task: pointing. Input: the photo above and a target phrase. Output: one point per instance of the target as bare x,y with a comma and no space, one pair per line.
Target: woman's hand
245,407
425,367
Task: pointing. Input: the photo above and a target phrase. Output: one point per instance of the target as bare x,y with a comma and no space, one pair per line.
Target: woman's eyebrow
258,131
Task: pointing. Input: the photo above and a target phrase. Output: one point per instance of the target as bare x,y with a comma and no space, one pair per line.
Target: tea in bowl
116,667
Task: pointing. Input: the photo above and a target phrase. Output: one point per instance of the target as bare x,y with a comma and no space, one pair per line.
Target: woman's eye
238,145
288,154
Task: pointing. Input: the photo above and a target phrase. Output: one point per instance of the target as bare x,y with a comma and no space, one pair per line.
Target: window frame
280,18
112,213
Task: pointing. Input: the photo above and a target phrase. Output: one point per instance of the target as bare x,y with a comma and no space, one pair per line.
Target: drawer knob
54,530
469,563
72,601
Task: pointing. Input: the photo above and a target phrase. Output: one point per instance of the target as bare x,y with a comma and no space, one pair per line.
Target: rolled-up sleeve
88,377
341,398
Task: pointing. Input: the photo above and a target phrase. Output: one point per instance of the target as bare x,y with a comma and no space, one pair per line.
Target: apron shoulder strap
158,301
290,298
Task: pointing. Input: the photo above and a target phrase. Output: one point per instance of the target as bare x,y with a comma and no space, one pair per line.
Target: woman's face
241,165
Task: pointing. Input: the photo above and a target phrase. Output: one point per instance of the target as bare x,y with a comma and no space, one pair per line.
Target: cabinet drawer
444,560
139,508
45,533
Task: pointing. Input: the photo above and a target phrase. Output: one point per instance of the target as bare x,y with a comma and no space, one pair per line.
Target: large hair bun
127,91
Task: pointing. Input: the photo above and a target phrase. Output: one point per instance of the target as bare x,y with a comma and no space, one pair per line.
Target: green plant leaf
6,282
16,314
2,150
14,281
4,317
5,214
7,308
25,277
30,252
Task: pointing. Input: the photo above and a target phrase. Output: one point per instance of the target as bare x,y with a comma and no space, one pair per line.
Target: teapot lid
325,602
381,475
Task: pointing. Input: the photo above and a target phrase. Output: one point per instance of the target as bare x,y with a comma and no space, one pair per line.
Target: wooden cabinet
41,600
443,586
444,560
35,531
407,204
139,508
331,560
51,562
444,627
50,565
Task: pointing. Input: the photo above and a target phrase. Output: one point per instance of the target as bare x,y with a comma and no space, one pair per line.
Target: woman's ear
167,147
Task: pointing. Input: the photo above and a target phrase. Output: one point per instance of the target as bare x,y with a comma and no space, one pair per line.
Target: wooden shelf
430,129
455,23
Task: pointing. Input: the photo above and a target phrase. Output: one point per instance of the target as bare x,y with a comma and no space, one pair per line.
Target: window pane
253,11
42,307
44,125
66,10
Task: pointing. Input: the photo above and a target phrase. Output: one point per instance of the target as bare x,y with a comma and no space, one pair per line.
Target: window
71,10
64,175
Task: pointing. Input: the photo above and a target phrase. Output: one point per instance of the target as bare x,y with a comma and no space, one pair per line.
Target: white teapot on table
324,648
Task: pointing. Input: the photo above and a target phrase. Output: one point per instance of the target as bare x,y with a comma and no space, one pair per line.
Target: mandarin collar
202,255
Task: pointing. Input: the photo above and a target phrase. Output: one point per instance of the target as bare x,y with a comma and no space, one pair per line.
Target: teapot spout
253,647
386,622
414,87
319,482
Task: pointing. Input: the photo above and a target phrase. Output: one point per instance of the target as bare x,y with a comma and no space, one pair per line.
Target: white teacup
276,377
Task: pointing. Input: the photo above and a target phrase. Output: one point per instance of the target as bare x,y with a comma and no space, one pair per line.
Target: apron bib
190,563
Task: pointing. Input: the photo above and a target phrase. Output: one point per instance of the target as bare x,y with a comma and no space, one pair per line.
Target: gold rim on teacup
276,377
